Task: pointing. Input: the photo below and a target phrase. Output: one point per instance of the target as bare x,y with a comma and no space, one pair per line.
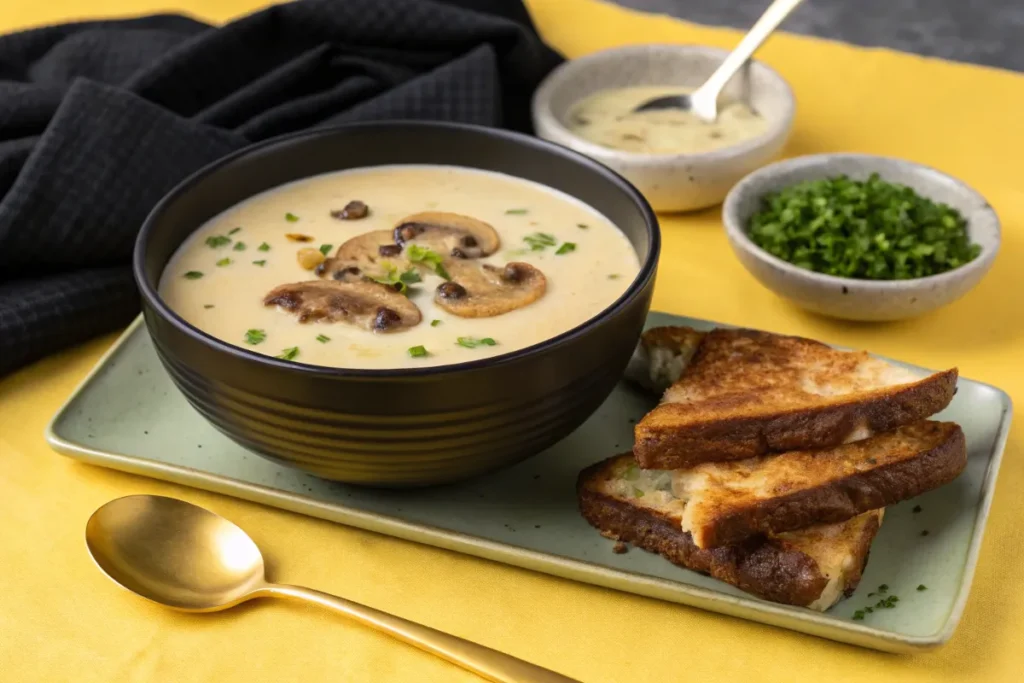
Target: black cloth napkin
98,120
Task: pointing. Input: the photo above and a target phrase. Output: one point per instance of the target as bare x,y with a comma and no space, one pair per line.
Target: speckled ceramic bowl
848,298
670,182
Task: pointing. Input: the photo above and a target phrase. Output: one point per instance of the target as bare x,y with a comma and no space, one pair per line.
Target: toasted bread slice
746,393
814,567
727,502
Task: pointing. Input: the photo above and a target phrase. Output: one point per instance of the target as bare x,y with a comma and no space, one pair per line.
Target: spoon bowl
704,100
185,557
174,553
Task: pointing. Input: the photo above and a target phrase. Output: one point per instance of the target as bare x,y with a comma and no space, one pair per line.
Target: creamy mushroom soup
399,266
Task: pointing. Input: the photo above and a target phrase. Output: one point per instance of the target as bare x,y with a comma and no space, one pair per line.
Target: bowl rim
737,233
542,112
154,301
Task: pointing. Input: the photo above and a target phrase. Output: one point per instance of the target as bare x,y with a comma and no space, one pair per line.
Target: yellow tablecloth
60,620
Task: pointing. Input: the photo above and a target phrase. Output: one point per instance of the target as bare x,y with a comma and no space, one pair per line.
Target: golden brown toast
726,502
745,393
814,567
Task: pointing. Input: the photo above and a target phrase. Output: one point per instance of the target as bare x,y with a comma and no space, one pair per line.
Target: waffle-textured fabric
98,120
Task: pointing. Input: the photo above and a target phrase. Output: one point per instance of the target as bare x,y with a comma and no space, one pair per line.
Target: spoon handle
769,21
483,661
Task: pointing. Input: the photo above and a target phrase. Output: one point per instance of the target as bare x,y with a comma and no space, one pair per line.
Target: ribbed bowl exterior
392,428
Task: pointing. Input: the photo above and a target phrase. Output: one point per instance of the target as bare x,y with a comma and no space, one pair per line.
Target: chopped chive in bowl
863,229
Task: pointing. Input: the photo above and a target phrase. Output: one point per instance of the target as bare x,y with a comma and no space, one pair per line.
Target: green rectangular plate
127,415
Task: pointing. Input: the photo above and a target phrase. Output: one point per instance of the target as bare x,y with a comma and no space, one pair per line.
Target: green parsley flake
865,229
291,218
255,336
614,276
516,212
232,231
884,587
289,354
858,615
215,241
263,247
427,257
325,249
239,246
260,263
922,587
224,262
193,275
473,342
539,241
417,351
207,305
566,248
582,226
323,338
398,281
435,323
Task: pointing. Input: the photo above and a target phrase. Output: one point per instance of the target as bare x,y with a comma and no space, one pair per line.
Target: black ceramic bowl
397,427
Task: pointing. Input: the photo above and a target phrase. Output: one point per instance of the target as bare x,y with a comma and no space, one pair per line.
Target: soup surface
283,274
606,117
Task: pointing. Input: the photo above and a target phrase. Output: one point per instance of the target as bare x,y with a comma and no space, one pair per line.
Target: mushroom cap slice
484,291
366,304
449,234
363,255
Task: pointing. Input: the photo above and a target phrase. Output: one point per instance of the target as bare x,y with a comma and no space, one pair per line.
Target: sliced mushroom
362,255
484,291
449,234
369,305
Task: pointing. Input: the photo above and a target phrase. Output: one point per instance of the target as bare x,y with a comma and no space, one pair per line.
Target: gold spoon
183,556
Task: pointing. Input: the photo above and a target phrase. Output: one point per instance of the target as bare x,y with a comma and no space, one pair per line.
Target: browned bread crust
731,501
782,569
747,393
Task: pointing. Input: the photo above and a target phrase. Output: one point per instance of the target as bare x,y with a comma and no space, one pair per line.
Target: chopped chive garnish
255,336
193,275
922,587
207,305
291,218
566,248
323,338
637,493
260,263
239,246
539,241
582,226
632,472
417,351
224,262
516,212
263,247
472,342
435,323
289,354
232,231
858,615
613,276
883,588
428,257
410,277
325,249
215,241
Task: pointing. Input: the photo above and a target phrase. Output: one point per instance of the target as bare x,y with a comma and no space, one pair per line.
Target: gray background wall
989,32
